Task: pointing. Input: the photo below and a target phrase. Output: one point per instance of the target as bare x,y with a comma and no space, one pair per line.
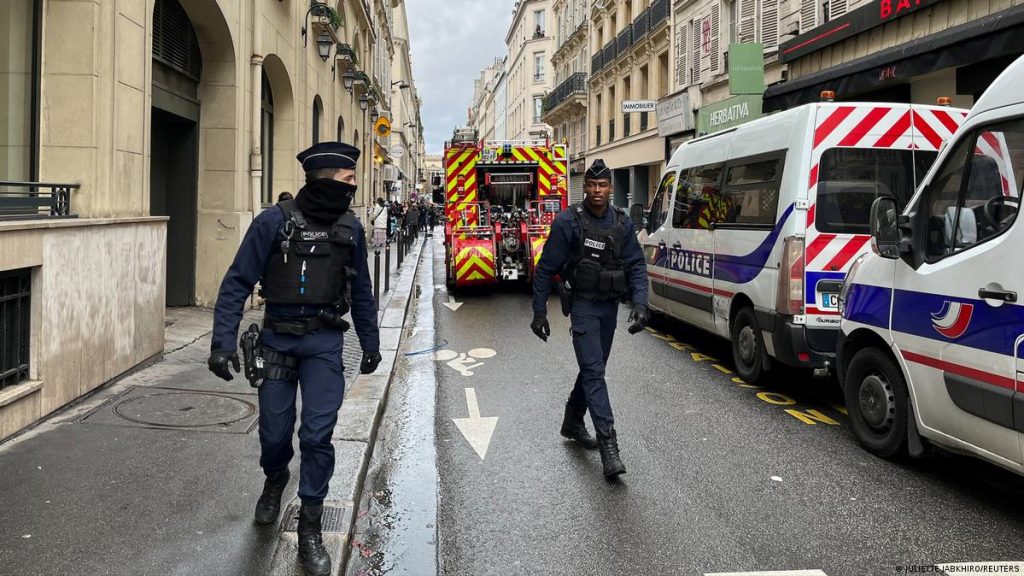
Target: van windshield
851,178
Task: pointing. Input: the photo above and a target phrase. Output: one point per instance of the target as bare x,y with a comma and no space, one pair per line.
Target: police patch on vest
307,235
591,243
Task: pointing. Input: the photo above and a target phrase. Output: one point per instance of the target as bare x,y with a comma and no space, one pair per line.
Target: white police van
932,334
752,229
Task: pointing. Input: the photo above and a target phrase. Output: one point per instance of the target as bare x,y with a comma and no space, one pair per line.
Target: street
722,476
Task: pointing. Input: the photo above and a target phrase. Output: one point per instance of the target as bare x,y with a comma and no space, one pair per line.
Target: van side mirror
885,229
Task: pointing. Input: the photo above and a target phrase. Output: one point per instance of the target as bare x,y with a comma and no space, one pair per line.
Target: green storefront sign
728,113
746,69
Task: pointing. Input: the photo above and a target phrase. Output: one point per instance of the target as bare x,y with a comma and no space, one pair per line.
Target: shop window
15,313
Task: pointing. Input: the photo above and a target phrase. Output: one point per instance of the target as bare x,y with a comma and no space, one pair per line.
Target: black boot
574,428
608,443
315,559
269,504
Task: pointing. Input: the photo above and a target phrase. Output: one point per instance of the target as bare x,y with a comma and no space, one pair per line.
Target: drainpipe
256,154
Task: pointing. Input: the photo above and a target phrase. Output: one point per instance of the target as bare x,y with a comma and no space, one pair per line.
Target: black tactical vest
597,265
312,264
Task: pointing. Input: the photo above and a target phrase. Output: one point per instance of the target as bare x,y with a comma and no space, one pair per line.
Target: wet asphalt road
721,478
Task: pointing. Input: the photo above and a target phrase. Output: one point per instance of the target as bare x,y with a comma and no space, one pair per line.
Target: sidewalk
158,472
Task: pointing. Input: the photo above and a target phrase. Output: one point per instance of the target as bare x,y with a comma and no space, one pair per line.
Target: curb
355,434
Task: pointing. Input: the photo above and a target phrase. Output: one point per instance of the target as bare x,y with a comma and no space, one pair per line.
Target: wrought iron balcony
573,85
659,13
625,39
609,53
595,63
35,200
641,25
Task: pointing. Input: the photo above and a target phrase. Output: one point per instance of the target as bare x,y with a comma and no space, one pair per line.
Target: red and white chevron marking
993,145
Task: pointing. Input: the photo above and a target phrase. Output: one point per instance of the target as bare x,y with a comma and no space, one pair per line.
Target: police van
932,333
752,229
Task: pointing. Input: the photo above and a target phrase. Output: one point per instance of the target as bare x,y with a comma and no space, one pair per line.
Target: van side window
751,192
976,194
659,206
699,202
850,179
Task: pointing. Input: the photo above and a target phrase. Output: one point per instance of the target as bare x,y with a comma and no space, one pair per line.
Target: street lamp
401,84
364,101
323,45
348,79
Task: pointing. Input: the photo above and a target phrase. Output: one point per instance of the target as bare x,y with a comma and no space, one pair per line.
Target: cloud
452,41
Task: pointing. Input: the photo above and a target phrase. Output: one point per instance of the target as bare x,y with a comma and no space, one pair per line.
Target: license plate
829,301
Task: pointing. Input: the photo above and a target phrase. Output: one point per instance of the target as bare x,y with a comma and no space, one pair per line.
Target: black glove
370,362
540,326
219,362
638,318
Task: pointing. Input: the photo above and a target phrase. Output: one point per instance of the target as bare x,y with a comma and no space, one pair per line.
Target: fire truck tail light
790,299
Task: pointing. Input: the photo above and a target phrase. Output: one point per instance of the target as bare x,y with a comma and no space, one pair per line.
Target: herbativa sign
728,113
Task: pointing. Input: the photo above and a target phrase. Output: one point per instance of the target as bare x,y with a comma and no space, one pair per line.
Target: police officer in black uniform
309,255
593,246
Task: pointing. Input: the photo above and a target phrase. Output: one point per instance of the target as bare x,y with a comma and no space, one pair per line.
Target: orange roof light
828,95
944,101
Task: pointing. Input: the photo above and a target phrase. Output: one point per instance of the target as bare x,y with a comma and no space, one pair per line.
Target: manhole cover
184,409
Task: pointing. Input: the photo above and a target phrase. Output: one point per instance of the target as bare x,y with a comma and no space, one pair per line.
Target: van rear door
860,151
958,317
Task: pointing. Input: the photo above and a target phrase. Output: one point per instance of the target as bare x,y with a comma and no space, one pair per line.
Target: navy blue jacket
250,261
564,241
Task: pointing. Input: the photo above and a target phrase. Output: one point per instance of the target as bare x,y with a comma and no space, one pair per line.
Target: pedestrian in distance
412,219
593,246
379,218
309,256
424,215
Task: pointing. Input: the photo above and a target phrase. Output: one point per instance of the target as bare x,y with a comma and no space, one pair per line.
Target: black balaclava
325,199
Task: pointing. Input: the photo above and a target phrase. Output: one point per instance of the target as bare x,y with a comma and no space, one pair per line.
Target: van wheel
747,346
876,398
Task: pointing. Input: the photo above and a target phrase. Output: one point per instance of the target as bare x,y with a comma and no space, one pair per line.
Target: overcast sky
452,41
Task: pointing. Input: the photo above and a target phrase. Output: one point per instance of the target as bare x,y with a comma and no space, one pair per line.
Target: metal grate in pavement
334,519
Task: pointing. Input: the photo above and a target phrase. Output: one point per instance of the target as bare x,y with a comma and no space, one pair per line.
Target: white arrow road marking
476,429
452,304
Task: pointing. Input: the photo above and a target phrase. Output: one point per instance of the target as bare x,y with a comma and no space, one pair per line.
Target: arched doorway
280,150
318,114
267,140
174,143
341,129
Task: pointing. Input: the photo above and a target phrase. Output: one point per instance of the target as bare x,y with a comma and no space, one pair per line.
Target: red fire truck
501,198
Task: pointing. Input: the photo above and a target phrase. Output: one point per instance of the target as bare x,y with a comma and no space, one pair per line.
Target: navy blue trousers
593,329
322,382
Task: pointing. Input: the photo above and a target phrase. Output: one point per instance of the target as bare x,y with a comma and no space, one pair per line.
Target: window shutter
836,8
716,56
808,15
747,20
770,23
682,47
696,64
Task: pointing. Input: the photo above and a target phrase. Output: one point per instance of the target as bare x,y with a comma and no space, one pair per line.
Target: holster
252,357
565,296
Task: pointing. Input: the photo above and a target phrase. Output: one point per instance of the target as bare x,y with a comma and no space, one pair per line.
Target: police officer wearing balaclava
309,256
593,246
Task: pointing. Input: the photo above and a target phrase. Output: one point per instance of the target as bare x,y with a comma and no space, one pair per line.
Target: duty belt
294,327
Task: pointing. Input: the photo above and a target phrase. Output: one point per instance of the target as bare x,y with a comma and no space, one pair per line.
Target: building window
538,23
538,66
538,109
15,313
318,113
267,141
19,99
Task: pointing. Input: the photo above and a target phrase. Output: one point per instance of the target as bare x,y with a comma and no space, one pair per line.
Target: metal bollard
387,267
401,244
376,277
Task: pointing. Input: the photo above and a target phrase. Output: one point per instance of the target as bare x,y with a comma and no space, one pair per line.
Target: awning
994,36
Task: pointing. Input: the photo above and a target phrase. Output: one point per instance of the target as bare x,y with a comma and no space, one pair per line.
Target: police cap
598,171
329,155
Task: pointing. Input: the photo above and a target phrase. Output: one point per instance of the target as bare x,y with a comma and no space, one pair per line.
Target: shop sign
874,14
674,115
746,68
728,113
638,106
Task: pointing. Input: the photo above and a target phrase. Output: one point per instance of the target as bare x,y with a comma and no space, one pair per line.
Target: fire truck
501,198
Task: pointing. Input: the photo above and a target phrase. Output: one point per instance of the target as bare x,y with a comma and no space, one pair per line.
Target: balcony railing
641,25
575,84
609,53
595,63
625,39
35,199
659,13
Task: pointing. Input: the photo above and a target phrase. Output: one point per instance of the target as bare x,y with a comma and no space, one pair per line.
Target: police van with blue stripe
932,331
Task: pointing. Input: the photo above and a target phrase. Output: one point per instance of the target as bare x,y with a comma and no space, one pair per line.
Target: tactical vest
312,264
596,268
